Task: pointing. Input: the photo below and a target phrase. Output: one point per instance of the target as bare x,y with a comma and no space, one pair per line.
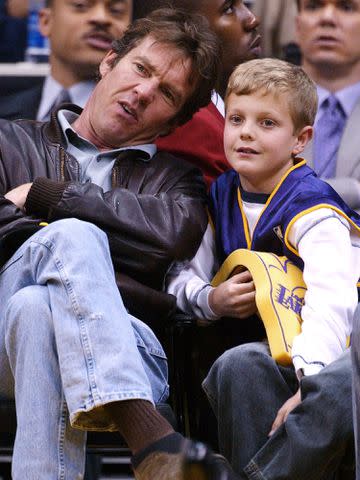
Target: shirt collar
79,94
218,102
67,117
348,97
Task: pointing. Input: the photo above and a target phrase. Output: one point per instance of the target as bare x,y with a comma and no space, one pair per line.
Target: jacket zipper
62,165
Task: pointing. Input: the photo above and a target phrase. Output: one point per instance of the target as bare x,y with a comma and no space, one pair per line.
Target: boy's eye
267,122
235,119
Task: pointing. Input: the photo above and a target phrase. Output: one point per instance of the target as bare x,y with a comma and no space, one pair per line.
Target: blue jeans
246,388
68,347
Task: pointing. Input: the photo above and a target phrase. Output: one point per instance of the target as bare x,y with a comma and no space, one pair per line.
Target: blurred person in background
328,33
13,29
80,33
277,19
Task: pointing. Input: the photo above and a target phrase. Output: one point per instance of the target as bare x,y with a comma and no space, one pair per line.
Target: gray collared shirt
348,98
95,166
79,94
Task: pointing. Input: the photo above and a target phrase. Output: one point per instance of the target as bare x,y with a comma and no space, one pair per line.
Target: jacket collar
52,127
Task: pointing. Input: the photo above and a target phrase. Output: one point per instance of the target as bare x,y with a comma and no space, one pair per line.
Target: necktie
63,97
327,137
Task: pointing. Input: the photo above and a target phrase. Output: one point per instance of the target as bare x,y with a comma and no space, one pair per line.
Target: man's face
81,31
235,26
328,32
136,100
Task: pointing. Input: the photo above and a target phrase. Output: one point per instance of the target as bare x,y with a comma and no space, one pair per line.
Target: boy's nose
246,131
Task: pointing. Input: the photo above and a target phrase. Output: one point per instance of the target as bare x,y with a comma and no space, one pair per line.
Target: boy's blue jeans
246,388
68,347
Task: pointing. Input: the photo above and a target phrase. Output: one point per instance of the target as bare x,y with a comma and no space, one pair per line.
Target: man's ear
107,63
45,21
303,138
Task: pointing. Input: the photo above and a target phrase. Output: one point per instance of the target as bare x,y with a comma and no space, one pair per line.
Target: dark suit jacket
20,102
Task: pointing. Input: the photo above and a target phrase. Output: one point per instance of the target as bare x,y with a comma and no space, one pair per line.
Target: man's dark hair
191,35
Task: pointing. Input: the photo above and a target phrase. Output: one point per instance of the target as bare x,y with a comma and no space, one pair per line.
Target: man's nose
100,14
328,14
251,22
145,91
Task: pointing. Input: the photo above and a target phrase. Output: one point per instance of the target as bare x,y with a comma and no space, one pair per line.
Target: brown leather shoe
201,463
161,466
195,462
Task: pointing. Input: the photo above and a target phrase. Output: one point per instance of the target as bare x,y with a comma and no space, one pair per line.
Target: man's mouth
256,42
326,39
128,109
99,40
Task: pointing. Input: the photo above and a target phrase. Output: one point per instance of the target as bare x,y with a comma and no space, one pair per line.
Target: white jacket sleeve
190,282
331,256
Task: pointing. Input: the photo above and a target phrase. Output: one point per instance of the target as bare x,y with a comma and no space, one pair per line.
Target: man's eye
347,6
140,68
168,94
228,7
117,12
312,5
80,5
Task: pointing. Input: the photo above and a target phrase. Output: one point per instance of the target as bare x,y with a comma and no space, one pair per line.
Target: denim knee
76,230
239,364
25,306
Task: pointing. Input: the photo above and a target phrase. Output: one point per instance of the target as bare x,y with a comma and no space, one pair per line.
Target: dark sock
173,443
139,423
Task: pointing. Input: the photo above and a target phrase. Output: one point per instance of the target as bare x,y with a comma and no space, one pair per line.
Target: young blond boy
273,422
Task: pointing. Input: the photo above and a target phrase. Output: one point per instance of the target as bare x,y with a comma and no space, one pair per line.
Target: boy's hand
235,297
284,411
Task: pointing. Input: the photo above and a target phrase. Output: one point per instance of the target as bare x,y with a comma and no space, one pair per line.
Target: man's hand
18,195
284,411
235,297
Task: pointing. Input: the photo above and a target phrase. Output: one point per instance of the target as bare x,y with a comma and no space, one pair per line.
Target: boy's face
260,139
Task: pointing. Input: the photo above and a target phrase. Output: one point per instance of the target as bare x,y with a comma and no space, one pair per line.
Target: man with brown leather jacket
82,196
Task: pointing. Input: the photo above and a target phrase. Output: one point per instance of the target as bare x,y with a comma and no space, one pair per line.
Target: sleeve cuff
203,304
44,195
304,370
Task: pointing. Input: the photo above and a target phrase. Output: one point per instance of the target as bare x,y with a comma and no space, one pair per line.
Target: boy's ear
303,138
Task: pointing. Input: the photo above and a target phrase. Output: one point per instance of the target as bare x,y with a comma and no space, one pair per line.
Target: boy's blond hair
277,77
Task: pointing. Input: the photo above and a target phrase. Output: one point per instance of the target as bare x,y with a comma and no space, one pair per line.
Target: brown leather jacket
154,214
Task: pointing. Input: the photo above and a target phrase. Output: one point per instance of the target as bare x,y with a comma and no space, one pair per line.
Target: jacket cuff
44,195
